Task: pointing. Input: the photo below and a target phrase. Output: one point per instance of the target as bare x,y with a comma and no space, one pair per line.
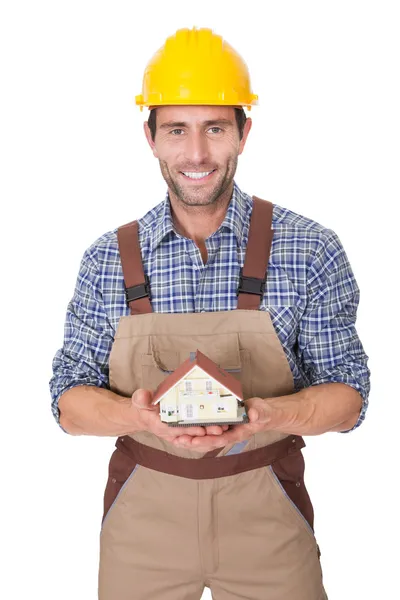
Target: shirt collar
164,224
235,218
237,213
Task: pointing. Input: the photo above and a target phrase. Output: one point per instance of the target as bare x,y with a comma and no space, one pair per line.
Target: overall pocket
154,369
288,473
120,470
168,352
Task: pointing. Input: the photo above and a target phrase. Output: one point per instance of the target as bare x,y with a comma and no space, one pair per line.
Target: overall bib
237,519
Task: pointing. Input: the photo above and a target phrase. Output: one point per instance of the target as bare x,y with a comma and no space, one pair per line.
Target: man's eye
176,130
215,129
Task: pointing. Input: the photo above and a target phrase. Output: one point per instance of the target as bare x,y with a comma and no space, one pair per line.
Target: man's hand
311,411
261,416
148,419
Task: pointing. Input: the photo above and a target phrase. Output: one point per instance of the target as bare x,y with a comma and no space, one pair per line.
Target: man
267,294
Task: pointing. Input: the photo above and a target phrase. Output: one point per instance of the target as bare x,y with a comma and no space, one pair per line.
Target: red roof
209,366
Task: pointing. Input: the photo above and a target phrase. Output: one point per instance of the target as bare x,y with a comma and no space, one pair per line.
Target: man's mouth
197,175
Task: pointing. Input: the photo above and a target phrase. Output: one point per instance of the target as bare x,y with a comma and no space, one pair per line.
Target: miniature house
199,392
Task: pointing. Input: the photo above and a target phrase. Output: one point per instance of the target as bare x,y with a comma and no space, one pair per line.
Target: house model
199,392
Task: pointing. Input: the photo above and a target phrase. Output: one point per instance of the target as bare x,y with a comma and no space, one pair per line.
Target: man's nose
197,148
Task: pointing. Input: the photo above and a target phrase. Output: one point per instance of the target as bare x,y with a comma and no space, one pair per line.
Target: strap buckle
251,285
135,292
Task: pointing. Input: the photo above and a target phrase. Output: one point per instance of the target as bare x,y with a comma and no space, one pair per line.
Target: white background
75,164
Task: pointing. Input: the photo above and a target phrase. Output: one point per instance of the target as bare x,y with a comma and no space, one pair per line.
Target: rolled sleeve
88,337
330,350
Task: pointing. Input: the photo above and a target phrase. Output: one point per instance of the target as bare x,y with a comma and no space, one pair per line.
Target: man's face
198,149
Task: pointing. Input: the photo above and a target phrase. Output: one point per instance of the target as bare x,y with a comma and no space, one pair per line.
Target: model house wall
198,397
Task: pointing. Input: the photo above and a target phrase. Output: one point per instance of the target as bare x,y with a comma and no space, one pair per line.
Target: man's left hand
262,416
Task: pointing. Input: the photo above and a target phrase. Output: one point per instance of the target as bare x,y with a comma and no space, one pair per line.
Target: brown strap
257,256
136,284
208,467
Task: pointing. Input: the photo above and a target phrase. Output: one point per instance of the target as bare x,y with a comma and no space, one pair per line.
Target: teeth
196,175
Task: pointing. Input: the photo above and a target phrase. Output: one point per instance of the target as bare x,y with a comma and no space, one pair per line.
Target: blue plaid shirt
311,294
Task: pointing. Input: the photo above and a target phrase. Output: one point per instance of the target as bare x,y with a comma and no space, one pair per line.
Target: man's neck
199,222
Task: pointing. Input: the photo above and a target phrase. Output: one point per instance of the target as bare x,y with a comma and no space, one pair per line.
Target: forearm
316,409
90,410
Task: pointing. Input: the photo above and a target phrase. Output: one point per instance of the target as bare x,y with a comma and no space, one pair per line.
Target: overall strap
137,285
254,273
252,277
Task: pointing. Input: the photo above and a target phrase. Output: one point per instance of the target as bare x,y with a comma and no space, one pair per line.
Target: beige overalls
237,519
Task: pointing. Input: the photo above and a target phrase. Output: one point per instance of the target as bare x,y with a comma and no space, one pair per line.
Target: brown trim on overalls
284,457
208,467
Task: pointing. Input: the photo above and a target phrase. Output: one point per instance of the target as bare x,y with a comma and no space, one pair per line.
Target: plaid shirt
311,294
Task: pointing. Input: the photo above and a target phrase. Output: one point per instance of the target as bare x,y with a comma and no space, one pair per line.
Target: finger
143,399
188,443
253,414
237,433
185,441
164,428
207,443
259,415
191,431
214,430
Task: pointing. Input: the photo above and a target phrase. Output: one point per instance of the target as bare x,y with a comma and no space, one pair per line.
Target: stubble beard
197,197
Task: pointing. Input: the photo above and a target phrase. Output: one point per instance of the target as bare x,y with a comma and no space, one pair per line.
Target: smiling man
264,292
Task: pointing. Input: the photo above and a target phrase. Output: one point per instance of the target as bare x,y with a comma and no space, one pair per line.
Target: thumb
258,414
253,415
143,399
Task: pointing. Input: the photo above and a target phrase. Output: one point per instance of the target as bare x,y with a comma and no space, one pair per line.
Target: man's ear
147,133
246,131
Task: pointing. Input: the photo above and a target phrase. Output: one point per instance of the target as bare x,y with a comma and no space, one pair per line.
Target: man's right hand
148,419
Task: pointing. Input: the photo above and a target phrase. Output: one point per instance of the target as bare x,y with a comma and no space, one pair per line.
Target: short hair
239,114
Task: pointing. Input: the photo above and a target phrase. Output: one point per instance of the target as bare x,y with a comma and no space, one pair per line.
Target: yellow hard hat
196,66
